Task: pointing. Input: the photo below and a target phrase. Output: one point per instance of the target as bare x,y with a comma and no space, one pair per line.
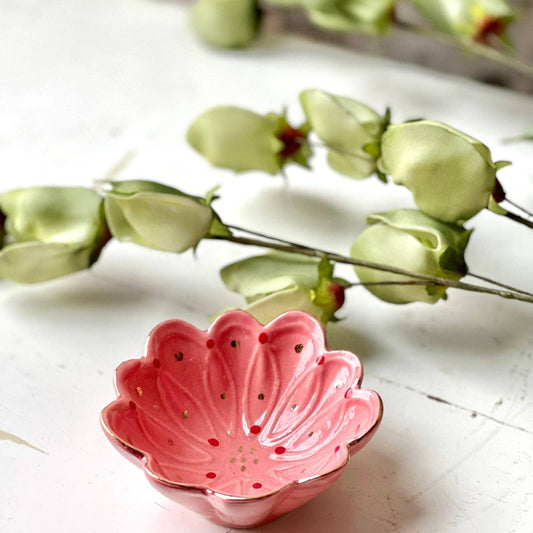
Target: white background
84,84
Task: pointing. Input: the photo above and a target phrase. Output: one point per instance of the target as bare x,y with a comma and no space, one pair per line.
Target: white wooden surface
82,83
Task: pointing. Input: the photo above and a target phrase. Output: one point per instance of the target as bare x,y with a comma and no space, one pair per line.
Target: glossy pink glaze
241,423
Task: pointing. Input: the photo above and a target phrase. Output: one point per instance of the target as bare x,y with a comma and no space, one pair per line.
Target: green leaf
218,228
381,176
329,293
501,164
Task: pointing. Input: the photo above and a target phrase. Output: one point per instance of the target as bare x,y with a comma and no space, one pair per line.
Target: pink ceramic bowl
241,422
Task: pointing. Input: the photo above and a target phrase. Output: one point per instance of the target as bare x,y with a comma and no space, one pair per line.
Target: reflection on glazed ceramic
242,422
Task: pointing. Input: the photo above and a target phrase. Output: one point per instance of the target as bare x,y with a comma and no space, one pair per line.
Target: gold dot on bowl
256,461
139,391
223,396
243,459
252,450
185,414
240,448
235,344
243,468
233,459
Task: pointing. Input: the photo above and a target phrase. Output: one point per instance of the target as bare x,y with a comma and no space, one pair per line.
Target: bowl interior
240,409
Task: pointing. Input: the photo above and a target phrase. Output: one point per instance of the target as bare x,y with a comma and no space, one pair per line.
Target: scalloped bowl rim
142,457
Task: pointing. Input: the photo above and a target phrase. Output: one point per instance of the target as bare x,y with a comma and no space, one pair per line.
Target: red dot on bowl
257,485
280,450
255,429
263,337
156,363
210,343
132,405
320,360
211,475
337,448
348,393
213,442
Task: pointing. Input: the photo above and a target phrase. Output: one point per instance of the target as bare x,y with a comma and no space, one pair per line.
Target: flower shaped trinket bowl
242,422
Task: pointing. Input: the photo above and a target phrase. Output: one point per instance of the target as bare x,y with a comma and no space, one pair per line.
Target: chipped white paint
4,435
83,84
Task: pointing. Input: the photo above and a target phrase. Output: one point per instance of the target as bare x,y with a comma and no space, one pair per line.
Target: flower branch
478,28
425,279
475,48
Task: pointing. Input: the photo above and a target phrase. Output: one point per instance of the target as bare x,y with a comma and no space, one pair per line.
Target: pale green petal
236,138
432,233
277,282
371,17
411,240
52,214
269,307
226,23
33,262
340,122
162,221
346,127
391,246
450,174
51,231
255,277
354,167
129,188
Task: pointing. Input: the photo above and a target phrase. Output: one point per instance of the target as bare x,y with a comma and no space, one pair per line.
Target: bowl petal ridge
241,411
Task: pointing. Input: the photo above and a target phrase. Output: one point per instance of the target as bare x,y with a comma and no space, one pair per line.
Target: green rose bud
372,17
413,241
450,174
241,140
226,23
50,232
474,19
352,131
276,282
157,216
